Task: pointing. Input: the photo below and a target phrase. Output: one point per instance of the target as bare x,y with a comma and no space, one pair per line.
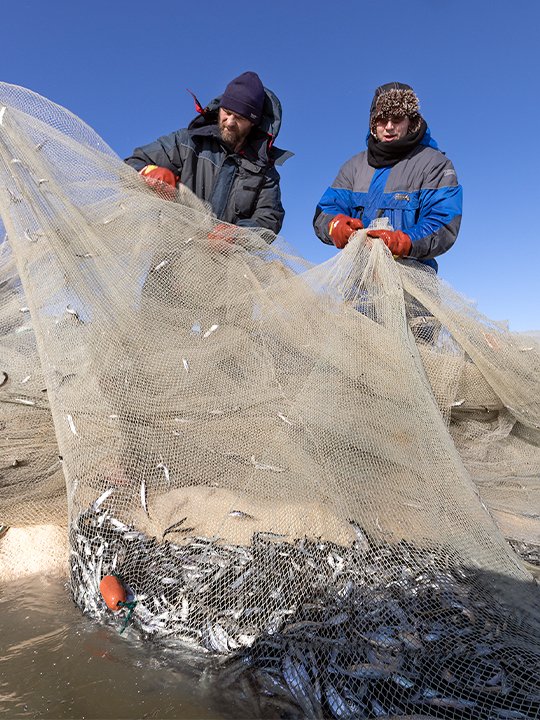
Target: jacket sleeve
336,200
439,217
268,212
164,152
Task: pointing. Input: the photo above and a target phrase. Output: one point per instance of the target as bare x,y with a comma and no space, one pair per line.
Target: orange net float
113,592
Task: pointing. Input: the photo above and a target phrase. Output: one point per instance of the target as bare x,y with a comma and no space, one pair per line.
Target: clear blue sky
123,66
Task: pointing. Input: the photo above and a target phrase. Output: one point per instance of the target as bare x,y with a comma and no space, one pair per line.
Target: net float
113,592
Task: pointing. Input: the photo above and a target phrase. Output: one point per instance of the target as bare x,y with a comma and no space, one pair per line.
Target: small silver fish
241,514
453,703
184,612
71,424
160,265
165,471
101,499
210,330
72,311
143,497
31,237
263,466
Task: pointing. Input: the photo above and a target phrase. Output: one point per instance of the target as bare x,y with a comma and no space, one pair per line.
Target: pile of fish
310,629
530,552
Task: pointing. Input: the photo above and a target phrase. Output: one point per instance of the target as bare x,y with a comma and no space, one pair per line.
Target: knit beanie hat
245,95
395,100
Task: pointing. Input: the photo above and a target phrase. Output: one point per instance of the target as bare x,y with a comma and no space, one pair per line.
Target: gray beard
229,140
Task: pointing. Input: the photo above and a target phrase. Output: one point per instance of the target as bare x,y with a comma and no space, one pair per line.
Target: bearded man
226,156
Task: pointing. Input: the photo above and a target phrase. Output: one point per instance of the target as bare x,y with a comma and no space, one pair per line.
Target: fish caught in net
297,470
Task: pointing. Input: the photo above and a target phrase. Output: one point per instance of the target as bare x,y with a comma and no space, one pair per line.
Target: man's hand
222,235
161,180
340,229
398,242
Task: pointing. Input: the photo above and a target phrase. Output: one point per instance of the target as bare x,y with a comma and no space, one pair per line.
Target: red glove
221,233
341,228
161,180
399,243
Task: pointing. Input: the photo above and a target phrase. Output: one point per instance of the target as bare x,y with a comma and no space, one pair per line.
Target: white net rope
280,462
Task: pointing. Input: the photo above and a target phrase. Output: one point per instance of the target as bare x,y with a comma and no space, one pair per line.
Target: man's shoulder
354,164
357,159
197,140
431,154
425,167
205,133
176,137
426,159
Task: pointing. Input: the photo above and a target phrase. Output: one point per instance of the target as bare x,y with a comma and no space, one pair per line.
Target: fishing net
284,465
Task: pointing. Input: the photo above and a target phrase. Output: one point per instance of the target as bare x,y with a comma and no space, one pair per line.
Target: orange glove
340,229
398,242
221,233
161,180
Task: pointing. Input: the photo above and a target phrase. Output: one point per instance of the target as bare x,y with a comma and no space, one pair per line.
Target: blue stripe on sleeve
341,200
438,208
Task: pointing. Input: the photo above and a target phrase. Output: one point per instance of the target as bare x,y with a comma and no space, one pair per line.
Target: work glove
340,229
221,234
161,180
398,242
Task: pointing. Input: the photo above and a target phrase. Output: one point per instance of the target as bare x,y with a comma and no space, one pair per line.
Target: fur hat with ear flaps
395,100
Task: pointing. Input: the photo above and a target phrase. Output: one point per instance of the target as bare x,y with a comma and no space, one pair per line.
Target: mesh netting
285,465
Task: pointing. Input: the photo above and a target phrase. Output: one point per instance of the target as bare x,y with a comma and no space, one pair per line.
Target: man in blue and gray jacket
402,176
226,156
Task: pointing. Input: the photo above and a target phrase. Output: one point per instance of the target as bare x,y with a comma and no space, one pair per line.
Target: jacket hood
428,140
267,130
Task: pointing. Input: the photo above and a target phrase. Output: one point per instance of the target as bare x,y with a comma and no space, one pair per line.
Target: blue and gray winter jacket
242,188
419,195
